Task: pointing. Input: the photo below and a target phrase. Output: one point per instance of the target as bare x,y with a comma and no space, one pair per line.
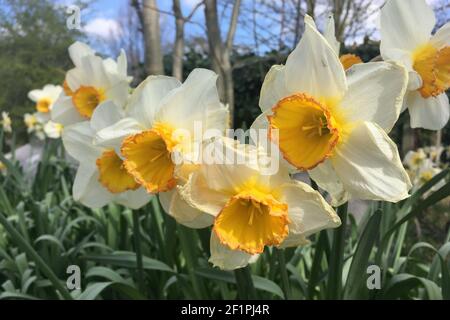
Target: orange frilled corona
113,175
252,220
307,131
148,157
433,66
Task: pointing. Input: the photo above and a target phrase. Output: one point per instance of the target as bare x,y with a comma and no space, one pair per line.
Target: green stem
244,283
187,242
337,256
137,248
40,263
284,275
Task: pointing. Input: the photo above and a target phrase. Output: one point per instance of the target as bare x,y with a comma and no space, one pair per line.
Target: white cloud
103,27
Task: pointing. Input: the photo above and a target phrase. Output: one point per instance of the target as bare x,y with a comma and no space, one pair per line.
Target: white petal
122,65
330,35
405,25
273,88
35,95
327,179
95,72
194,101
118,92
183,213
198,194
226,259
442,36
106,114
259,137
165,199
78,50
146,98
369,166
112,136
375,93
308,210
133,199
64,111
77,140
431,113
314,68
415,81
88,190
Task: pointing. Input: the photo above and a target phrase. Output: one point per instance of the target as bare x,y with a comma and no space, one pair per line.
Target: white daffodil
91,82
45,98
166,119
414,159
425,173
53,130
335,124
252,210
347,60
406,28
101,177
6,122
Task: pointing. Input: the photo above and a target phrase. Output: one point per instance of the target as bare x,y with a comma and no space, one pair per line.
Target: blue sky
100,20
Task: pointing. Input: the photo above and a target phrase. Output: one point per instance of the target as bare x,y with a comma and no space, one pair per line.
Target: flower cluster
6,122
324,115
424,163
39,123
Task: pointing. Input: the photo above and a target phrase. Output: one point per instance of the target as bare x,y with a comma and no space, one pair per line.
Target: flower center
306,130
148,157
252,220
426,176
348,60
113,175
433,66
86,99
43,105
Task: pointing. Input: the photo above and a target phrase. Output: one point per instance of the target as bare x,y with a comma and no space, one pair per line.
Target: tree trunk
220,52
178,51
152,38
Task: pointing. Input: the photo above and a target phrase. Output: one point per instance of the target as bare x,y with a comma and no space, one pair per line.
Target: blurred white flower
45,98
92,81
53,130
6,122
414,159
406,28
425,173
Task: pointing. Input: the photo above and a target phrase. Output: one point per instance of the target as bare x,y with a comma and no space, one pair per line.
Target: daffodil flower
53,130
101,176
335,125
252,210
414,159
6,122
406,28
166,119
91,82
425,173
45,98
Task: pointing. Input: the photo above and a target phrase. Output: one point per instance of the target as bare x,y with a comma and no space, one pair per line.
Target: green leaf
356,282
128,260
267,285
401,284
